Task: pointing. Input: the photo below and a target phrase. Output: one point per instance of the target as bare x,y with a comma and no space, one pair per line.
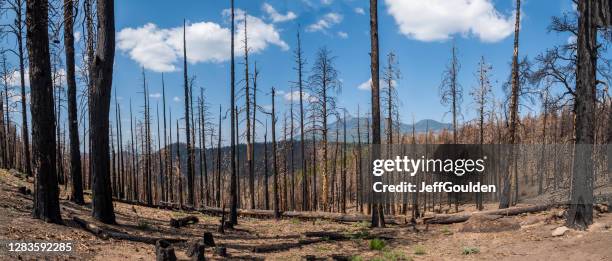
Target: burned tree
300,83
378,219
99,105
190,157
323,83
46,191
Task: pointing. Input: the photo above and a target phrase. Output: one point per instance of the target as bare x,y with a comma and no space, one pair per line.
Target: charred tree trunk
505,199
580,212
266,191
274,160
99,105
190,158
300,66
46,191
233,179
73,122
378,219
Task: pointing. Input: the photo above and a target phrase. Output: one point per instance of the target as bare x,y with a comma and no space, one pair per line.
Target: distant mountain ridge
351,127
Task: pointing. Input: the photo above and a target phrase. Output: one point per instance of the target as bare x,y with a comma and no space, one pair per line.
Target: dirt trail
533,241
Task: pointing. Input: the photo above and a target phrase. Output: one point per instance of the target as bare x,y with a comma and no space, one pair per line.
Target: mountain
351,127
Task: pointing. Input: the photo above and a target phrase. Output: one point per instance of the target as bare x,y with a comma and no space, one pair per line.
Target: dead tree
203,158
147,142
190,158
591,15
73,126
274,160
46,198
178,166
247,98
378,219
505,199
218,179
17,30
167,157
233,177
481,95
99,105
323,82
266,191
300,83
160,160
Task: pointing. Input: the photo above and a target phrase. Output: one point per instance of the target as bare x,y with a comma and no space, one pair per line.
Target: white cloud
572,39
366,86
176,99
327,2
77,36
14,78
359,10
277,17
161,50
295,96
326,22
156,95
342,35
438,20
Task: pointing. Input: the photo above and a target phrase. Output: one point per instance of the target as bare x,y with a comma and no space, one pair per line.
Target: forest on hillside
548,137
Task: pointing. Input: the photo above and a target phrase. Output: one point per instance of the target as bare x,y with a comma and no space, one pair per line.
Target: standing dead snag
99,105
591,15
300,66
46,198
233,178
73,125
190,158
274,160
164,251
505,199
378,219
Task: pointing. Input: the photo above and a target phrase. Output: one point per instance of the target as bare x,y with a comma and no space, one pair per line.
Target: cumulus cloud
156,95
326,22
438,20
359,10
342,35
277,17
366,86
295,96
161,50
176,99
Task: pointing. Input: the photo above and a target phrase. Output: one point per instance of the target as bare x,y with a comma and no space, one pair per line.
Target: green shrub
356,258
396,255
446,231
377,244
143,224
470,250
419,250
296,221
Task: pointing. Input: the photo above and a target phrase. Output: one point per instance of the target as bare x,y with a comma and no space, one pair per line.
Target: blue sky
419,32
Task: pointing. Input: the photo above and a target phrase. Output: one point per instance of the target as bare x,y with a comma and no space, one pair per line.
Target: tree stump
208,239
164,251
221,251
197,251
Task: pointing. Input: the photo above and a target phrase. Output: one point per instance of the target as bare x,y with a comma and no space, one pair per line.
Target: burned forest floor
521,237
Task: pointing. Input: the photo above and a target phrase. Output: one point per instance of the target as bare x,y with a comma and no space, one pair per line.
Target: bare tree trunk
167,153
505,199
266,191
73,122
218,186
46,191
274,160
580,212
300,66
190,172
178,166
24,115
233,178
378,219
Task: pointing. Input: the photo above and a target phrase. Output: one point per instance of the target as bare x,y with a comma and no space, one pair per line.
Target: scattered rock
601,208
560,231
489,223
560,214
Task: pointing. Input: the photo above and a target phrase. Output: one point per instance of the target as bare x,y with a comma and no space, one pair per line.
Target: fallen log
458,218
304,215
268,248
105,234
181,222
327,235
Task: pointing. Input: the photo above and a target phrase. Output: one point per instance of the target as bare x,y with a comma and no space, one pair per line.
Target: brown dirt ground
533,241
